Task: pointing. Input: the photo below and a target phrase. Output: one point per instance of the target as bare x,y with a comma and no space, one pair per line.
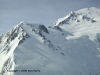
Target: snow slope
70,47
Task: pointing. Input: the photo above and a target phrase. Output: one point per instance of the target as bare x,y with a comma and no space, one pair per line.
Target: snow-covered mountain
70,47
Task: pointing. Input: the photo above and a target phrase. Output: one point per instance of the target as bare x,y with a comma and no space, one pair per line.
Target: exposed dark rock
43,28
63,54
40,33
78,20
93,21
6,66
23,37
58,28
49,44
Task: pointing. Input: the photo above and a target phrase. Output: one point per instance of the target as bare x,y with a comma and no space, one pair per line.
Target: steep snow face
87,14
84,22
24,36
70,47
8,43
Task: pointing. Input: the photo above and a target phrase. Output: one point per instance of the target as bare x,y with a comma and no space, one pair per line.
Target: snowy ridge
13,38
16,34
84,22
86,14
8,43
70,47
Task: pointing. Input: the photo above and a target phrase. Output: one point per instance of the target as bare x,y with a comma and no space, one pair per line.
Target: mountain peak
89,9
87,14
81,23
92,8
72,47
66,18
23,22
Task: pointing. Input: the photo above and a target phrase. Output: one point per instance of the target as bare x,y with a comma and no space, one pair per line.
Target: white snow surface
70,47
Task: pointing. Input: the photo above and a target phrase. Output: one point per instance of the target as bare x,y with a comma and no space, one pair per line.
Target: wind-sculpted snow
70,47
9,38
8,65
83,15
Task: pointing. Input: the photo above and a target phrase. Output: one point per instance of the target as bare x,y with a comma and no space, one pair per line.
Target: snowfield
69,47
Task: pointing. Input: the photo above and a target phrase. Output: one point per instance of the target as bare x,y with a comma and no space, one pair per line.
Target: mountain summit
70,47
87,14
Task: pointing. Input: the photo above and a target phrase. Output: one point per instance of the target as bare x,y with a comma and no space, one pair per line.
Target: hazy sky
38,11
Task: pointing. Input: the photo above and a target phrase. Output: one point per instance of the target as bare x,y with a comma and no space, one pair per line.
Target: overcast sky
38,11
